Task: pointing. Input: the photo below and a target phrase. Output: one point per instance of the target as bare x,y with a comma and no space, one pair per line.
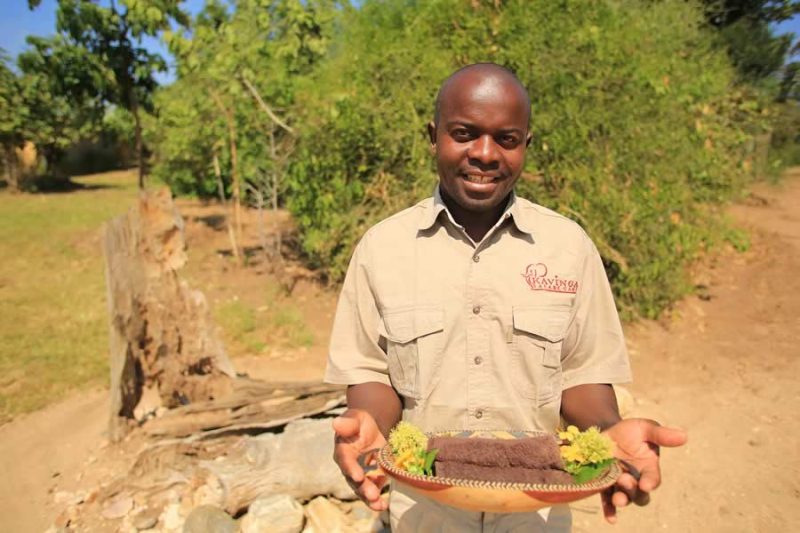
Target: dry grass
53,316
53,322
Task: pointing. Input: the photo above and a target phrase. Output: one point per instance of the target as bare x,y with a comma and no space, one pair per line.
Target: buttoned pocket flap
549,323
405,325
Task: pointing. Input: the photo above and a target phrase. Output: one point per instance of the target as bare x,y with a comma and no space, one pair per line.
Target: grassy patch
251,329
53,315
54,327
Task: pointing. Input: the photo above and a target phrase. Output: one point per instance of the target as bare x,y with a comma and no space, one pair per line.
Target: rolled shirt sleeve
594,347
356,355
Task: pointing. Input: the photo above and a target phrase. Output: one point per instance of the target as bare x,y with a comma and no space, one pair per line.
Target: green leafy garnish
410,448
586,454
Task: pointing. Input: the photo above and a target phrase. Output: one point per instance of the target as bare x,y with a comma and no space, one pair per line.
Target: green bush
640,129
636,122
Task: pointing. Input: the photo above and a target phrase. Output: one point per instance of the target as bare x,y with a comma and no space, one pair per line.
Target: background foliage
647,115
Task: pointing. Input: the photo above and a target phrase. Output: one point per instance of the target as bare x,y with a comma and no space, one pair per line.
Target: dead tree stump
163,345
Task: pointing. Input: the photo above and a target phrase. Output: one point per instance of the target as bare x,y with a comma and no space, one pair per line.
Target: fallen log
252,406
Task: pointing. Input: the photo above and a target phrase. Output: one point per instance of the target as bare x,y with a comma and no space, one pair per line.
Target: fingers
346,456
624,491
368,490
609,510
346,425
651,477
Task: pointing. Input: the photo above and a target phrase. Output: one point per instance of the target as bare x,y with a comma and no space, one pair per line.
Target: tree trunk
221,191
235,185
163,347
275,182
138,135
11,167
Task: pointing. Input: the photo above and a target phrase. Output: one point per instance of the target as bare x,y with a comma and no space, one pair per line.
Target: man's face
480,140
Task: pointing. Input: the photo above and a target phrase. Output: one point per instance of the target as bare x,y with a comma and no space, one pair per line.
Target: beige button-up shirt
479,335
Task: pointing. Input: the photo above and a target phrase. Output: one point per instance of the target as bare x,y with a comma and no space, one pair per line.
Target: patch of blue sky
17,22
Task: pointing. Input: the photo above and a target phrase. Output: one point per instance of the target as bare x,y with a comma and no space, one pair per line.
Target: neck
476,223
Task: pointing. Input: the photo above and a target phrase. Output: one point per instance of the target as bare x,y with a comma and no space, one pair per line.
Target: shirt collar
512,211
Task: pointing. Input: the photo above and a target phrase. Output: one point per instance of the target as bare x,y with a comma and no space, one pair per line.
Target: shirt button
478,359
479,413
476,309
476,258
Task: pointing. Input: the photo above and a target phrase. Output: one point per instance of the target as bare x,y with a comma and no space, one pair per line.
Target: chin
481,204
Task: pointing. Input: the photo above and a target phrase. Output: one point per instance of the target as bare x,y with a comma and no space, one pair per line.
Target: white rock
118,507
359,510
209,519
323,515
171,519
210,493
368,525
69,498
145,519
278,513
301,460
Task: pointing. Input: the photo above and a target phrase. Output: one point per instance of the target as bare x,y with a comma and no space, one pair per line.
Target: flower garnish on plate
586,454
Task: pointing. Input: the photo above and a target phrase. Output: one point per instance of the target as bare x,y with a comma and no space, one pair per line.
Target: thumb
666,436
347,425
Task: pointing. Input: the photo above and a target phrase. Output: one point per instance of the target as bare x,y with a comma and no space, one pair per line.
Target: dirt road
727,370
725,367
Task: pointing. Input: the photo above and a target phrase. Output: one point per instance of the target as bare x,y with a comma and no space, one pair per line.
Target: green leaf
430,457
589,472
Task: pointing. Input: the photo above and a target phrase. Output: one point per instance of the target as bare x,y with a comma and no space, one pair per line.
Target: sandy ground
724,367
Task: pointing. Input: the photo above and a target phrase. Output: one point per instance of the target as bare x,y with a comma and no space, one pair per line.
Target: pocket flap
546,322
405,325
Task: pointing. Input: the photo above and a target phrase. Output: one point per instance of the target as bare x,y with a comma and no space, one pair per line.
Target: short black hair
503,70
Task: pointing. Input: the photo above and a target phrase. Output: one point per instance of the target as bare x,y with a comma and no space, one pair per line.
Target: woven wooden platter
494,497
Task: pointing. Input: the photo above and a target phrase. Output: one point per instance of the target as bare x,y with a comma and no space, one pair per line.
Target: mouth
480,185
481,179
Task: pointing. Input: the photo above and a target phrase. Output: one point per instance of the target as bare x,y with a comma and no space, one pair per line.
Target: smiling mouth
480,178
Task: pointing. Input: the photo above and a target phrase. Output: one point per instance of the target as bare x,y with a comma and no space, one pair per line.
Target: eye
461,134
508,140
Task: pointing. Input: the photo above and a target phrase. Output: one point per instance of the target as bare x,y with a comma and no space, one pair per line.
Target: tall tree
226,123
112,34
745,27
10,120
57,100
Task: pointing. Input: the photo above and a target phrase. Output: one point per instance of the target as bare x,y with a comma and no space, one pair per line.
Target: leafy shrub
639,127
636,123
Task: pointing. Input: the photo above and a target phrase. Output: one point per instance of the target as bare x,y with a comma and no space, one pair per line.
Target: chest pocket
536,352
414,342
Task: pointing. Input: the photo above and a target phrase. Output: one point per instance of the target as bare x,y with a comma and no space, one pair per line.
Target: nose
483,150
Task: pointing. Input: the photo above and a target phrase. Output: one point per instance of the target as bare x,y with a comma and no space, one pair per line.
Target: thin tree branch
265,107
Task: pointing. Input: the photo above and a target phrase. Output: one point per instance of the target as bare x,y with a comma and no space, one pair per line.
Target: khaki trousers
412,513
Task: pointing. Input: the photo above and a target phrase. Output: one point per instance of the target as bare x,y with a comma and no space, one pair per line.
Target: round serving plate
494,497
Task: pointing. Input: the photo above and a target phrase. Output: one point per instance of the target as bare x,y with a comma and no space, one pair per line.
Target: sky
17,21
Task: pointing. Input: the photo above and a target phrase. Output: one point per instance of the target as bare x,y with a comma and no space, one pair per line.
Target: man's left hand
637,442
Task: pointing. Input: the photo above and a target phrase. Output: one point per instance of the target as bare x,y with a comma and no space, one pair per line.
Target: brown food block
540,452
548,476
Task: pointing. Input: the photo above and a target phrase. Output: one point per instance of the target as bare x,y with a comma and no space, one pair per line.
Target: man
476,309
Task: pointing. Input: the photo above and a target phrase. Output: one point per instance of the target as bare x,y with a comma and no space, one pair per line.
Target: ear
528,139
432,136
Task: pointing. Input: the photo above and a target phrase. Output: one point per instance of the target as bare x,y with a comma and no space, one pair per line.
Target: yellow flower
587,447
406,437
570,433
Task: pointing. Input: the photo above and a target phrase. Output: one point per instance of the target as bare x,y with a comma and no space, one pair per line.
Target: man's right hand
357,432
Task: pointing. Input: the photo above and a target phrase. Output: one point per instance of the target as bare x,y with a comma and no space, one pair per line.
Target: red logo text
537,279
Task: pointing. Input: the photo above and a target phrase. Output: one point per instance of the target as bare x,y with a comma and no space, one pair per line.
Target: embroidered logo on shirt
537,279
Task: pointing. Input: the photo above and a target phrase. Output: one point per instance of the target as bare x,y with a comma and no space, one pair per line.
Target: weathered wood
161,333
251,406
